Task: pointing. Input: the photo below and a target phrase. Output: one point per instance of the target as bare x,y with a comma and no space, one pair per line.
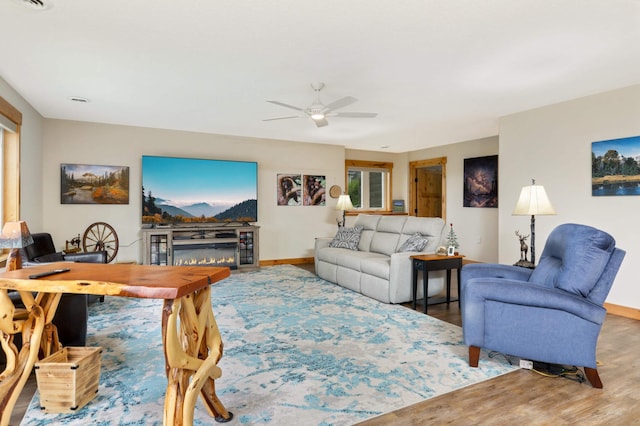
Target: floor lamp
533,201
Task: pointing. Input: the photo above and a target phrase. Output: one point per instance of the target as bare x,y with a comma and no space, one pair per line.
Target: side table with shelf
434,262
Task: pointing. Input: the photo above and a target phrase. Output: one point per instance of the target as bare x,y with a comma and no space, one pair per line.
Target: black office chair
73,312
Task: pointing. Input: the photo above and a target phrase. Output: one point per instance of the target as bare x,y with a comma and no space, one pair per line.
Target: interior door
427,188
429,192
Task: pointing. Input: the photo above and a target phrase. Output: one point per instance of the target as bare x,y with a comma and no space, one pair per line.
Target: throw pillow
347,238
416,242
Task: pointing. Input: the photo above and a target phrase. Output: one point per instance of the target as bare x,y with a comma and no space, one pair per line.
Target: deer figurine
524,248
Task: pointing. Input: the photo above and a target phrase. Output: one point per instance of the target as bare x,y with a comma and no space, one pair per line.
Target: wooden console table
190,335
433,262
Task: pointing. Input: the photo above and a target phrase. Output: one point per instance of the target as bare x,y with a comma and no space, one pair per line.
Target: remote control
47,273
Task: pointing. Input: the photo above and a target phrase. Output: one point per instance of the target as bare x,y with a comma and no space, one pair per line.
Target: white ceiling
435,71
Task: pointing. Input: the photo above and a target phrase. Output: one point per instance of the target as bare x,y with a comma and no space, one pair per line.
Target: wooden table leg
448,286
459,293
425,284
414,281
192,348
40,311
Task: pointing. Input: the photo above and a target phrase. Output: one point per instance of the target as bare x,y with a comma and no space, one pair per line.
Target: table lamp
344,204
15,235
533,201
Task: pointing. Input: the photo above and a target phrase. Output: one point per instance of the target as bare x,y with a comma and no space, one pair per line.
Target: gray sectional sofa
377,266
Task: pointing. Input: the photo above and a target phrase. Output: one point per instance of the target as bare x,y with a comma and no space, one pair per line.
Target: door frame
413,173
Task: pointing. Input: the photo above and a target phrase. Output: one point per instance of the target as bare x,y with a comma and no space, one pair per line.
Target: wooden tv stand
162,244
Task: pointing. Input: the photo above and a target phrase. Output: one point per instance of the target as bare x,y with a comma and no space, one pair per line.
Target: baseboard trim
295,261
622,311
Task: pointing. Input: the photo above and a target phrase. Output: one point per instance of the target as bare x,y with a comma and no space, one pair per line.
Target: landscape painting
481,182
93,184
615,167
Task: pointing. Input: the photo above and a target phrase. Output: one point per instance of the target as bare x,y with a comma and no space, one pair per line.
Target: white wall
476,228
31,209
286,232
553,145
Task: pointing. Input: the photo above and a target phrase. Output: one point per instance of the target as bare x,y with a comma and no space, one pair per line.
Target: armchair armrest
483,270
322,242
524,293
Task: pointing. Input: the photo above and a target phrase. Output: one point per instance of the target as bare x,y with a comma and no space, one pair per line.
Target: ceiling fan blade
340,103
355,114
321,123
282,118
286,105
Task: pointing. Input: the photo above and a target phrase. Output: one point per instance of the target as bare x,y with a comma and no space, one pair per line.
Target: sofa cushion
384,243
370,224
365,239
352,259
385,238
393,224
430,227
368,221
378,266
347,238
416,242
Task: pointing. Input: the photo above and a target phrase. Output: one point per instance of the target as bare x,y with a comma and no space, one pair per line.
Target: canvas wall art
481,182
93,184
615,167
314,190
289,190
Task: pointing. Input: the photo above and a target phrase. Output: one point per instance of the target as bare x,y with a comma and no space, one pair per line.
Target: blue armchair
552,313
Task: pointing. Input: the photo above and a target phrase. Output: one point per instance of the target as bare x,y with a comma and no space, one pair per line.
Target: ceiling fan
318,112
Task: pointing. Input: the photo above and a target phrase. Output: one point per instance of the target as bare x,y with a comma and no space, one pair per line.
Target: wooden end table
434,262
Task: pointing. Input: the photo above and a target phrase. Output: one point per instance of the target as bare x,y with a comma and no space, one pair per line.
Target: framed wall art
481,182
615,167
93,184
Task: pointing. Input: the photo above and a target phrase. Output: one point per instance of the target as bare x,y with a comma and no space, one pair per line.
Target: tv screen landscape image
194,190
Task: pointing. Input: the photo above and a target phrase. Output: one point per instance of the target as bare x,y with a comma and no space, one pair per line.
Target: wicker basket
68,379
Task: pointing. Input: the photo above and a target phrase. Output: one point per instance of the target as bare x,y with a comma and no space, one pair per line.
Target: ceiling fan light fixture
318,112
35,4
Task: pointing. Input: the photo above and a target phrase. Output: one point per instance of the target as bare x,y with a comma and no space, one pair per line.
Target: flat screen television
195,190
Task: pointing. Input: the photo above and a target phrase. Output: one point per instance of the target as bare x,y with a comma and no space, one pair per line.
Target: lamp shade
15,235
344,203
533,201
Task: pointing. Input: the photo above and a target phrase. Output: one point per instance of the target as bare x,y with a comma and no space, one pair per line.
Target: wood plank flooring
522,397
525,397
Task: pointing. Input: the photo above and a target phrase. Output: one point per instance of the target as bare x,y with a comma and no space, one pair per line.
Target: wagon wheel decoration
101,236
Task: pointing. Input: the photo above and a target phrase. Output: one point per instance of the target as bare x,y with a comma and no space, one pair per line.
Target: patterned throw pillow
416,242
347,238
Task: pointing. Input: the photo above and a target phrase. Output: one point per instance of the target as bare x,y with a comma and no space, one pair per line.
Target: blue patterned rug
298,350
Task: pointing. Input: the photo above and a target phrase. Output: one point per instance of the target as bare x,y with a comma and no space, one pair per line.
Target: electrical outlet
526,364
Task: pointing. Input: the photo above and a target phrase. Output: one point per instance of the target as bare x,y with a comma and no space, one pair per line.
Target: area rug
298,351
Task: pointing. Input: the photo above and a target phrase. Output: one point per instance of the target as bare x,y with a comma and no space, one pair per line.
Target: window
10,120
369,184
